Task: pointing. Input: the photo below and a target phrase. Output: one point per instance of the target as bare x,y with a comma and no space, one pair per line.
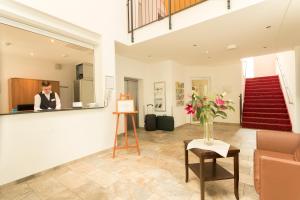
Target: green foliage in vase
206,109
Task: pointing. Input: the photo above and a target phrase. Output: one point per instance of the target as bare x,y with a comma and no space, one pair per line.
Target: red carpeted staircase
264,105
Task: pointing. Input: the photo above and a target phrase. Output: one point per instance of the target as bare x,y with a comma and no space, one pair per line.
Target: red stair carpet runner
264,105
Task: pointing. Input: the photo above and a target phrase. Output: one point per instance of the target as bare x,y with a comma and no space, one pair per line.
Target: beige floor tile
16,191
158,173
47,187
64,195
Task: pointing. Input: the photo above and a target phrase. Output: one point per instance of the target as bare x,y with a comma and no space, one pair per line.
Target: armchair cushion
283,142
280,179
257,159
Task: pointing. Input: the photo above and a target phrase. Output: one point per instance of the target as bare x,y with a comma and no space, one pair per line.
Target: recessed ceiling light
196,45
65,55
206,52
267,27
52,40
8,43
149,56
265,47
231,46
31,54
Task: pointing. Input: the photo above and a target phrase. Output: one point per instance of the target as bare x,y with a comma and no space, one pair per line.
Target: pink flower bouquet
205,108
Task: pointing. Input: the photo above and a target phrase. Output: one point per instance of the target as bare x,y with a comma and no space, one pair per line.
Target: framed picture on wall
179,93
160,96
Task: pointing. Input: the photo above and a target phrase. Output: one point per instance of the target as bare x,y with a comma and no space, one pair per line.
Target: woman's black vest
45,103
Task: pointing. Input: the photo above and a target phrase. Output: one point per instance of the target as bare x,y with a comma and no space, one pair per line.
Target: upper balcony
148,19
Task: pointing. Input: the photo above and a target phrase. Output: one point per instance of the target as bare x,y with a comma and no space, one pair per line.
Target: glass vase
208,127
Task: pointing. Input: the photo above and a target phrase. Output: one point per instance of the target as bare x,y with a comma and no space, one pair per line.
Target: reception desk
31,143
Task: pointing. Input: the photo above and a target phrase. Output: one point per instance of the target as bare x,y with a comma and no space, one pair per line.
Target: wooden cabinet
22,91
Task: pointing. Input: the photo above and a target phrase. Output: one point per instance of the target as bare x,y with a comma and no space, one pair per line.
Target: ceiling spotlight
265,47
206,52
231,46
196,45
52,40
31,54
8,43
267,27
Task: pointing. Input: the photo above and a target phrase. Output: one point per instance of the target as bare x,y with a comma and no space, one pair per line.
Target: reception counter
47,111
30,144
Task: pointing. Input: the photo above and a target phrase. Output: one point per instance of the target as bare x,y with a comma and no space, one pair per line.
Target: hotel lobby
149,99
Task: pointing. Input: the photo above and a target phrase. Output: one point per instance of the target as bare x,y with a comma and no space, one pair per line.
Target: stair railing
241,109
141,13
283,77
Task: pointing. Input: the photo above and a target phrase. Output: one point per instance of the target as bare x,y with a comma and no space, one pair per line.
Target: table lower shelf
209,173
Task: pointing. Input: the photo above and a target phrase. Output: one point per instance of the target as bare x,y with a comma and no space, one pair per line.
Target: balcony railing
144,12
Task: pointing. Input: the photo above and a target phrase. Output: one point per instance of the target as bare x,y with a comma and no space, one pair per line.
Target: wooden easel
126,115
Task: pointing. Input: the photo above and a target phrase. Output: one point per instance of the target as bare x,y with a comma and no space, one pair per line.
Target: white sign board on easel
125,106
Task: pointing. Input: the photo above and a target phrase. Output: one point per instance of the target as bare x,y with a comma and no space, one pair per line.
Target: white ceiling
23,43
244,28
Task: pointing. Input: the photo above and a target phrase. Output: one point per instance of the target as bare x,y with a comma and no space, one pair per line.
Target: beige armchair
276,171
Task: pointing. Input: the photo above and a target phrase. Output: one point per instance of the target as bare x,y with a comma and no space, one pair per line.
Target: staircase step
266,110
257,89
263,88
262,82
266,120
261,92
261,96
268,126
266,115
265,101
264,77
264,105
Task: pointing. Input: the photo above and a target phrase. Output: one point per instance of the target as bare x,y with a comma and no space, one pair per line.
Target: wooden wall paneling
22,91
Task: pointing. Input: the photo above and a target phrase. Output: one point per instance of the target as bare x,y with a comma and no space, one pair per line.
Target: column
296,125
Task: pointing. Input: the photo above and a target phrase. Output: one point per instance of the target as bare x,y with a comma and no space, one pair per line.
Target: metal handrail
144,12
241,108
287,89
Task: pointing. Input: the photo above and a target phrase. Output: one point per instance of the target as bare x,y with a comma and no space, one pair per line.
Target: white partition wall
31,143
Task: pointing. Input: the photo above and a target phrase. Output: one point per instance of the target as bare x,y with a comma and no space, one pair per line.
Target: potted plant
206,109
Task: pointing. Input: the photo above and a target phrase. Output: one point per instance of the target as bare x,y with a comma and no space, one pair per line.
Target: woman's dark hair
45,83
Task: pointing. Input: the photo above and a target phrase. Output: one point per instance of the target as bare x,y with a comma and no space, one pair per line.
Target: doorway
131,87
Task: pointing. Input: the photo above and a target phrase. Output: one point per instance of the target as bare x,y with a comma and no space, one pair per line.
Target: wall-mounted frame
179,87
160,96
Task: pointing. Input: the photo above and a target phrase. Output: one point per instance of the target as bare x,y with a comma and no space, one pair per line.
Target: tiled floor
157,174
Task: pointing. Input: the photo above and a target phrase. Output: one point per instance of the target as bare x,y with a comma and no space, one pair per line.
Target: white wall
296,127
37,142
286,72
32,68
264,65
147,73
224,78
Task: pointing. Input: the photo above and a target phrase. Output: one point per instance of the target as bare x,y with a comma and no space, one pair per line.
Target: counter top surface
47,111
